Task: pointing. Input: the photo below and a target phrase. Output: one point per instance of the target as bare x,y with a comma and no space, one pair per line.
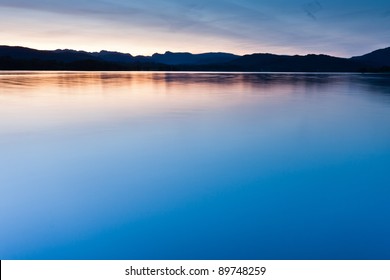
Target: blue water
194,166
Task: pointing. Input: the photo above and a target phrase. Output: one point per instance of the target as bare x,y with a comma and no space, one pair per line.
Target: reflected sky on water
194,165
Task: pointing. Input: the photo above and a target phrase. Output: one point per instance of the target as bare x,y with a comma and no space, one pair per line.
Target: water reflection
194,165
121,79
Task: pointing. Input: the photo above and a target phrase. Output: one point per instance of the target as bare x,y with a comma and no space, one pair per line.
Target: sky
143,27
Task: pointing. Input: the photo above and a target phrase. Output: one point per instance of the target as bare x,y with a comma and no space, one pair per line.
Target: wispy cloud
312,8
240,26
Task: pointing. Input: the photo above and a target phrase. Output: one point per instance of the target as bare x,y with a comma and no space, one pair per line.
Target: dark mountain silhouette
378,58
296,63
20,58
27,53
108,56
171,58
114,56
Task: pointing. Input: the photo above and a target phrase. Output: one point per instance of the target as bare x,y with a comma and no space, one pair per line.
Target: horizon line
177,52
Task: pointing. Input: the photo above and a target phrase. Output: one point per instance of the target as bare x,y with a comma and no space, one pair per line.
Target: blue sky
342,28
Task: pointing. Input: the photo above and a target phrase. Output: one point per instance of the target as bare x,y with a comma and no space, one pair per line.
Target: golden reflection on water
37,79
40,100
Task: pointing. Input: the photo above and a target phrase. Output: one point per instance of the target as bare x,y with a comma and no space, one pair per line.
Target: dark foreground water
194,166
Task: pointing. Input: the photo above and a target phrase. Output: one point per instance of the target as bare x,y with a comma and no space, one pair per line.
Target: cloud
242,26
312,8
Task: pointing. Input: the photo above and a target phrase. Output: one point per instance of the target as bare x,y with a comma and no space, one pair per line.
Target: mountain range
21,58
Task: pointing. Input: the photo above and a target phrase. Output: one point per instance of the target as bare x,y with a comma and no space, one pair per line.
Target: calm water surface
194,166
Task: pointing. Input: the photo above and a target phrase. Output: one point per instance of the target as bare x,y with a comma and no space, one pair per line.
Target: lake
155,165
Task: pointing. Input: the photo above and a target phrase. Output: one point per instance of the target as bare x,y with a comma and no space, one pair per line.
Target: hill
171,58
378,58
296,63
20,58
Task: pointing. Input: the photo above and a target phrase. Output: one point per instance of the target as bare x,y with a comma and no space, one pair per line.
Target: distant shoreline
24,71
26,59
